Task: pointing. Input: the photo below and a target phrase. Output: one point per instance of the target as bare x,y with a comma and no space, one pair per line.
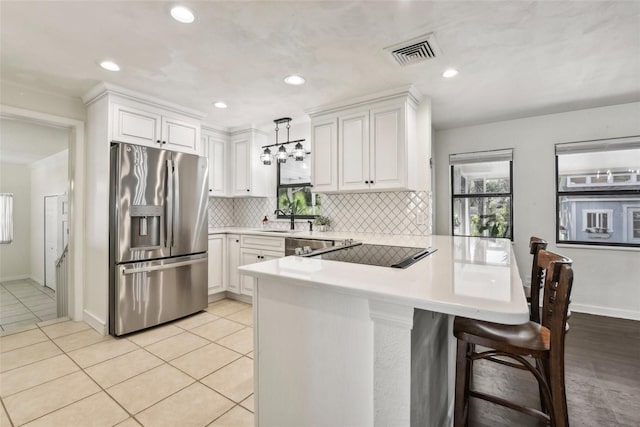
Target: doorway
74,205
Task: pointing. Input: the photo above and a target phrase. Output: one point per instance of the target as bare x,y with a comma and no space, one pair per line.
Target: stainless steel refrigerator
157,237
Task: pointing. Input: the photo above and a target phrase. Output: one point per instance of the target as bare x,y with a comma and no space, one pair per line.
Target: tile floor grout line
221,415
90,378
6,411
23,304
164,362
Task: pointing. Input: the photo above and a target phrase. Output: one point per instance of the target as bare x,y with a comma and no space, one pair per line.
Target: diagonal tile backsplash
384,213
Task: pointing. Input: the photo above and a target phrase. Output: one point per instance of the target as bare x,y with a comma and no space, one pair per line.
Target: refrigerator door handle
130,270
176,201
168,223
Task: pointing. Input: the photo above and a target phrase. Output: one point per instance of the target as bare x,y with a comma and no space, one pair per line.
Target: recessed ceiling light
182,14
294,79
220,104
110,65
450,73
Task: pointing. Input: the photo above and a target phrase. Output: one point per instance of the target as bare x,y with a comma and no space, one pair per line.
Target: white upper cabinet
140,126
139,119
383,144
136,126
353,140
249,176
215,146
180,135
324,146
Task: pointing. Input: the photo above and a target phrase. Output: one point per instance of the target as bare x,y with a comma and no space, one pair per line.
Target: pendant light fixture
266,156
281,155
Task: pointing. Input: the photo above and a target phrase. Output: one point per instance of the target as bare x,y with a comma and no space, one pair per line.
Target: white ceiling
516,58
25,142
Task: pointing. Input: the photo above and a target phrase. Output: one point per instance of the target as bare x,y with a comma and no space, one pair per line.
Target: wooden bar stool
537,277
512,343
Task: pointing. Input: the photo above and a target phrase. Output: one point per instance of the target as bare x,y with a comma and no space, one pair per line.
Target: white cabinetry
233,262
254,249
378,143
324,146
249,176
215,149
217,263
137,123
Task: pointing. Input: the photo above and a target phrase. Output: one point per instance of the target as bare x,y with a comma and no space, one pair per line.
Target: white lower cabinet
217,263
253,256
233,260
256,249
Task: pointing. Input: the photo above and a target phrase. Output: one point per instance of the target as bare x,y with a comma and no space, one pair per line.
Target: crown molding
103,89
408,91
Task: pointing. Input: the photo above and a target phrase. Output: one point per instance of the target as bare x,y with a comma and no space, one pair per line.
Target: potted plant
322,223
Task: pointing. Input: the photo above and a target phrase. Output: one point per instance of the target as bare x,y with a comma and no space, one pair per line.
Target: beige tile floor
24,302
196,371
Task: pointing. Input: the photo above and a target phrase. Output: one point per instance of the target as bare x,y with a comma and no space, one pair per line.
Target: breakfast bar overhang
341,344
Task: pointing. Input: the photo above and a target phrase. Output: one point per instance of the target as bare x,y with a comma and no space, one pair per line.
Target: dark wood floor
602,364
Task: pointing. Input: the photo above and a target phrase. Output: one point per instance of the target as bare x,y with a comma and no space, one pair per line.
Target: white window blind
6,218
481,156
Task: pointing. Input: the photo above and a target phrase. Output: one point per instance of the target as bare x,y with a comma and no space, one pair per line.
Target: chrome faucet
293,217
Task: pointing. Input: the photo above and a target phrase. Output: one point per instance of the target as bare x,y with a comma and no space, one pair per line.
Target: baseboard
11,278
217,297
95,322
36,281
605,311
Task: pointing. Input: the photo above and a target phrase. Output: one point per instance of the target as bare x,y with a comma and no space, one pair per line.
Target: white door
63,223
388,148
248,256
353,141
136,126
179,135
51,233
241,169
233,259
216,251
217,167
324,147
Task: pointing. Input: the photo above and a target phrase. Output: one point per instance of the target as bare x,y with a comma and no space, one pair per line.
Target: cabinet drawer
259,242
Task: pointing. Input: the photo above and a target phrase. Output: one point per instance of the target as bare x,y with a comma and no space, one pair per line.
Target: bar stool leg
463,374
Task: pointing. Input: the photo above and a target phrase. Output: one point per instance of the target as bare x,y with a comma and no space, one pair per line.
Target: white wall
48,177
14,257
606,281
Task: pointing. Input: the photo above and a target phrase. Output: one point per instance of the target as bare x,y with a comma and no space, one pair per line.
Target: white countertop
466,276
371,238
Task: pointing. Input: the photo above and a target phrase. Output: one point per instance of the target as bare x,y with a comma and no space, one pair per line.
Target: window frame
482,159
10,209
279,186
619,190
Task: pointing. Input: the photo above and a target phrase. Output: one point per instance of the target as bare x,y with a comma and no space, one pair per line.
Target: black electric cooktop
380,255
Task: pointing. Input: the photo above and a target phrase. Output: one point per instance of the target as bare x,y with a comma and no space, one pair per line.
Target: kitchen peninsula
349,344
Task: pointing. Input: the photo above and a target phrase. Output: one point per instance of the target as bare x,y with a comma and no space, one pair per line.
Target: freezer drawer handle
162,267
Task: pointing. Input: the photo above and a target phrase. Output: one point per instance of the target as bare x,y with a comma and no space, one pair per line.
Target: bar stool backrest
537,277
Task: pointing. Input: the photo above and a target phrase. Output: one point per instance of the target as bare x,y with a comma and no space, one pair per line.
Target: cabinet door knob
248,189
237,241
164,142
210,190
158,141
371,182
366,182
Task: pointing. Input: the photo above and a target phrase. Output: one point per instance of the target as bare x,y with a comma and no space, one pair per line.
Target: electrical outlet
421,218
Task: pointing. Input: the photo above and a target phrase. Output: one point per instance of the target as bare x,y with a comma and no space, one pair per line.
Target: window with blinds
482,194
598,192
6,218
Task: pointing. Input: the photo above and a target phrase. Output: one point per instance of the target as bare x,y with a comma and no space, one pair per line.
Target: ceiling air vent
415,50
